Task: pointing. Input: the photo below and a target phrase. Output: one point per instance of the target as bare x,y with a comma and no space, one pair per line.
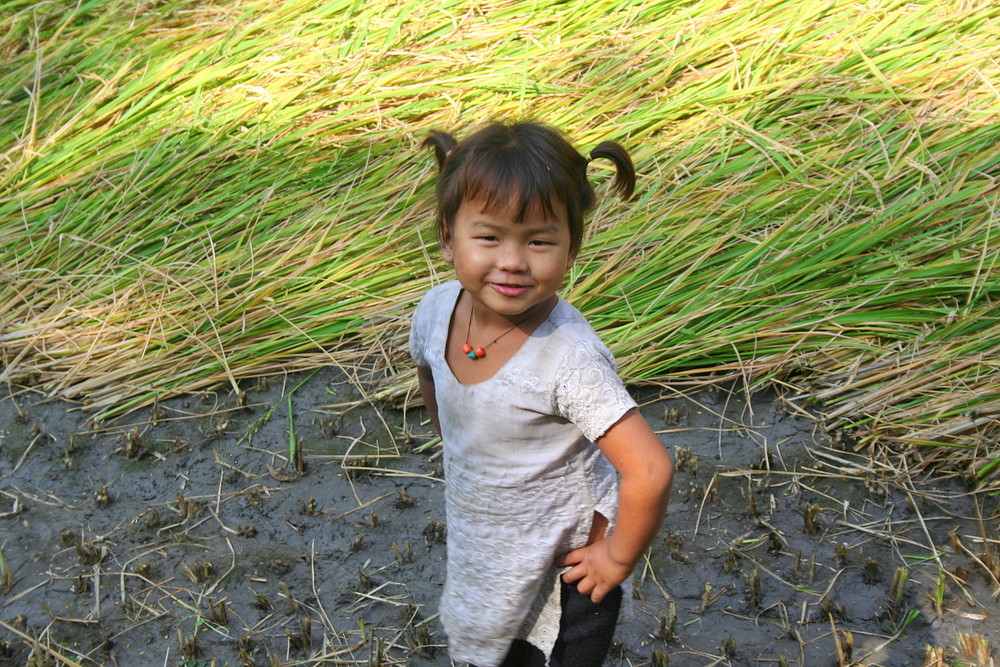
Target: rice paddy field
197,197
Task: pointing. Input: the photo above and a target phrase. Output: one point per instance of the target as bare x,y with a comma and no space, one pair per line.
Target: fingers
587,587
594,592
574,574
572,558
589,572
585,584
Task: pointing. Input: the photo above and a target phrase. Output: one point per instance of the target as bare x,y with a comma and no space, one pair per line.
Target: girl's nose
512,258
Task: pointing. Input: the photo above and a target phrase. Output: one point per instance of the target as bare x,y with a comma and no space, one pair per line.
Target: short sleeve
588,391
418,334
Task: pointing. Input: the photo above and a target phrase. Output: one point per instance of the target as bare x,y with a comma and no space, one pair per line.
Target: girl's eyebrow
548,227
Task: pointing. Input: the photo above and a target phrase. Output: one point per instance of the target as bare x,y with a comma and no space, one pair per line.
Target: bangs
526,185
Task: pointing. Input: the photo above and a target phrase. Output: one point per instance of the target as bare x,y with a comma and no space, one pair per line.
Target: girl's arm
426,381
646,471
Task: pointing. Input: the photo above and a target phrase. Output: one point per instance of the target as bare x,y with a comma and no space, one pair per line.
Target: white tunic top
523,476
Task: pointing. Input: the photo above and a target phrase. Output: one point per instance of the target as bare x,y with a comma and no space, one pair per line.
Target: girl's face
509,268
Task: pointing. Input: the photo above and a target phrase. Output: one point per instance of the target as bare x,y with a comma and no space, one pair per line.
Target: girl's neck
498,336
484,321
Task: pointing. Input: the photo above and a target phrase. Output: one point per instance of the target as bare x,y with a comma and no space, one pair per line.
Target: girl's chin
513,309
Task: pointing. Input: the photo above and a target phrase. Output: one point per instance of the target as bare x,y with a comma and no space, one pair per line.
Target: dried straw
194,194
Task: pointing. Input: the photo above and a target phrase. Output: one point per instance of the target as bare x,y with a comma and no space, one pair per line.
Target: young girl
534,419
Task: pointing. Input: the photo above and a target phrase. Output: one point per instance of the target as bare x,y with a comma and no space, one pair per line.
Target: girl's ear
446,250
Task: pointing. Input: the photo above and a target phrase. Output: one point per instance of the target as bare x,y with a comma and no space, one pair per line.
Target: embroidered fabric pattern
582,389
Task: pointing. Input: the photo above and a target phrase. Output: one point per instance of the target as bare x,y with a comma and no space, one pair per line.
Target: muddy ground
183,535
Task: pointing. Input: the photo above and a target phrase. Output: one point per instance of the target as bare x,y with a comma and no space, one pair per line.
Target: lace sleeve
588,391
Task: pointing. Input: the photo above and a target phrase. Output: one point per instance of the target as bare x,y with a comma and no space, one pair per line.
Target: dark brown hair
522,164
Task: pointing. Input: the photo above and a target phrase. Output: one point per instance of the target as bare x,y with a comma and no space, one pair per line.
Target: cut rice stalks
195,194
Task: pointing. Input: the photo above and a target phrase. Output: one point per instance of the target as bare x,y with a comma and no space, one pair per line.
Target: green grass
194,193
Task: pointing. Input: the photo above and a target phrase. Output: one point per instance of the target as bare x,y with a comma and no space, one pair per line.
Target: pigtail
442,143
624,183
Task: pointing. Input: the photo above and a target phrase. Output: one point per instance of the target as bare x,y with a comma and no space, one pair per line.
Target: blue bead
472,355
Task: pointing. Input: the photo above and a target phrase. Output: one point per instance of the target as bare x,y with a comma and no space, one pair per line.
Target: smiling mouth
510,290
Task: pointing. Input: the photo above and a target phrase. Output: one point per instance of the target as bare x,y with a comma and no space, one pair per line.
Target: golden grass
195,194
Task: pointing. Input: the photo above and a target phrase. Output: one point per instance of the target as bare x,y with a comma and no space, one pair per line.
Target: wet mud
294,523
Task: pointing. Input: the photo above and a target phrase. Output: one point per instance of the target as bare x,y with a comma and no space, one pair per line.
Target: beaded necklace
480,352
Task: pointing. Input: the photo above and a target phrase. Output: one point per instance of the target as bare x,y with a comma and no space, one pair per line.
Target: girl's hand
595,570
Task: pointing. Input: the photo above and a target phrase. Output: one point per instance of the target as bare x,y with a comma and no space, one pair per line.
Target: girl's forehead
516,209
